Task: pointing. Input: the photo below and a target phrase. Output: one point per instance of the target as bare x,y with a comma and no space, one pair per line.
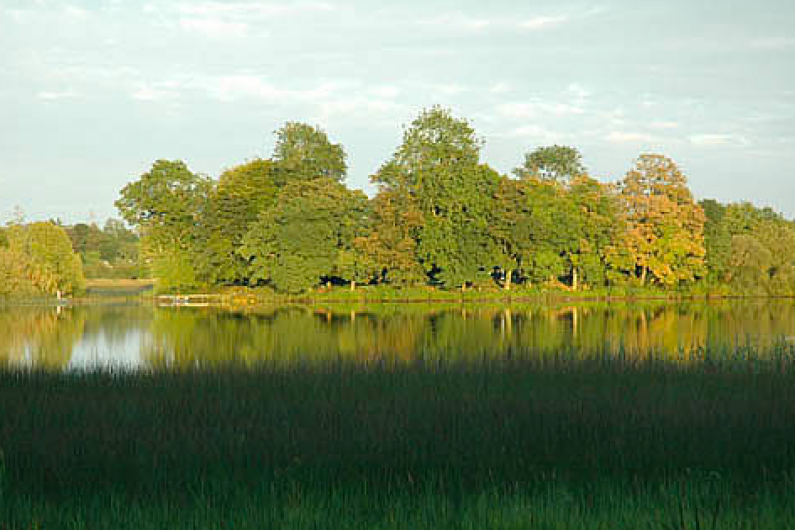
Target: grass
596,443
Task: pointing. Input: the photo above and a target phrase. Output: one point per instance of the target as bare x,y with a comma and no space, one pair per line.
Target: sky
92,92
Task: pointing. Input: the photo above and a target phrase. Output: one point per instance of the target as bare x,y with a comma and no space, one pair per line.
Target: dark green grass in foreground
569,444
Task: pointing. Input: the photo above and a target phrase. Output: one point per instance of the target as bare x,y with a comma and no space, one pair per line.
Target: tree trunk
353,285
507,285
574,282
643,275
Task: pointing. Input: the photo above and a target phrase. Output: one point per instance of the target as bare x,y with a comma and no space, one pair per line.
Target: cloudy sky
93,91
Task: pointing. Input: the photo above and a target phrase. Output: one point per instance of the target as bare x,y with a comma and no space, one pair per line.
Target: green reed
558,442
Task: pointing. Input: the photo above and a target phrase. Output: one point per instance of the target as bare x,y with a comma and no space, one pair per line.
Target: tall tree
598,226
437,171
241,194
555,163
304,152
665,227
167,204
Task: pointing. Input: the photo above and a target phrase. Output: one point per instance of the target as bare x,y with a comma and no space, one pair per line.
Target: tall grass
556,443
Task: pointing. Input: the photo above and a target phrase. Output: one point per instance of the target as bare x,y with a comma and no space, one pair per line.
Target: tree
307,235
167,204
762,251
597,228
304,152
391,245
241,194
437,173
717,240
528,232
50,264
665,227
556,163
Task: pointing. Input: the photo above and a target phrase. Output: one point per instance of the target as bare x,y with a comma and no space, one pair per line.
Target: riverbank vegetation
110,252
444,218
538,442
37,259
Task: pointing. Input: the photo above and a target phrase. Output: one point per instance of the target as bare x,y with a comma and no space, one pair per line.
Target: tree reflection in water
186,338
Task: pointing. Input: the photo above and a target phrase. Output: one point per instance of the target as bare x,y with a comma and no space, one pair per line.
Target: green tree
556,163
304,152
597,226
307,235
390,247
50,264
762,253
717,240
530,230
436,170
167,205
241,194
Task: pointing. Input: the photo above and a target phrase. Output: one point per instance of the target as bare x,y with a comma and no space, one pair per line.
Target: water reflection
138,336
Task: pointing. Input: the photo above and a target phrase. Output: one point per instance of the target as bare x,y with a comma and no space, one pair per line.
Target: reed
553,443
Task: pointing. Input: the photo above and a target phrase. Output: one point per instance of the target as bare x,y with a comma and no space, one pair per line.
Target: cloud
578,91
461,22
76,11
54,95
534,109
247,11
457,22
713,140
385,91
18,15
537,23
664,125
231,19
774,43
533,133
623,137
156,91
500,88
345,97
214,27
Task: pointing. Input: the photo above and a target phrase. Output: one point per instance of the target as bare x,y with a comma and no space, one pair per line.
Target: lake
145,337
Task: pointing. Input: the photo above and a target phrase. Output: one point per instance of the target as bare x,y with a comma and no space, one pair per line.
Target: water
133,337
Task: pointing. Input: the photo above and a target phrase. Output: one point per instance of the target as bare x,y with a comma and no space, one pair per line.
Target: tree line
443,217
37,258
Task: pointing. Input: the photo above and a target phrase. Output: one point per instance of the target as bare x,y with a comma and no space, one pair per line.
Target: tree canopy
442,217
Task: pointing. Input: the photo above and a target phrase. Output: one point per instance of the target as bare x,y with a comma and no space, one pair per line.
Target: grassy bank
553,444
376,294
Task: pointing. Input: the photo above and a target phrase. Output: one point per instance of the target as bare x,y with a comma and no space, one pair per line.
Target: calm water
145,337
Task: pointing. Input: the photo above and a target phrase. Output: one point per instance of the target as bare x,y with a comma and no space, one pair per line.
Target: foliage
557,163
167,205
666,228
108,252
39,257
441,217
235,202
304,152
307,235
437,173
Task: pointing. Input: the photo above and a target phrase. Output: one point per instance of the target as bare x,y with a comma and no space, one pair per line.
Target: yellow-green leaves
665,227
40,258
